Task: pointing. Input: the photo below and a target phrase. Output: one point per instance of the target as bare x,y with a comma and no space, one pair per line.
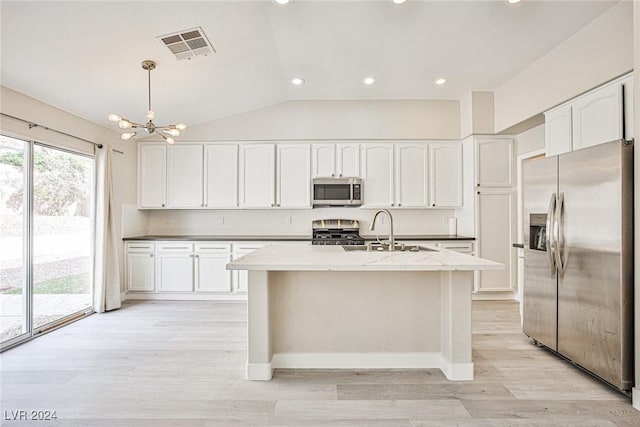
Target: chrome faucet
392,240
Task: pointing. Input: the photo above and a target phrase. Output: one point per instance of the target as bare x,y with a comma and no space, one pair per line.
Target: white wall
276,222
599,52
317,120
124,166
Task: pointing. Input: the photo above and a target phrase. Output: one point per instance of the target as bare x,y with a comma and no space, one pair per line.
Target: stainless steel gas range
336,232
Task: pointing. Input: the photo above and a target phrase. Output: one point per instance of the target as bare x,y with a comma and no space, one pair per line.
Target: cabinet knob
478,185
434,205
273,205
151,255
399,204
340,175
197,256
333,174
278,205
163,205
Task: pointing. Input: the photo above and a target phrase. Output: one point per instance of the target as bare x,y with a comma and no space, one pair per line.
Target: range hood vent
187,43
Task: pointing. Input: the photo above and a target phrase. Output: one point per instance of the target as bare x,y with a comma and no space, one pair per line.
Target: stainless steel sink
383,248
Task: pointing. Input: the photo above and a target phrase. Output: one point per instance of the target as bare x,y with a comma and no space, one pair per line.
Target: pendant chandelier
166,132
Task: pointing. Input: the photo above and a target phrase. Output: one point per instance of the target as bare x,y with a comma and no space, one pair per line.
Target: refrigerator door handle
548,235
560,253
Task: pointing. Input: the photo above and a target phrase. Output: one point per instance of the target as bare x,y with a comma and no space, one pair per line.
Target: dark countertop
218,238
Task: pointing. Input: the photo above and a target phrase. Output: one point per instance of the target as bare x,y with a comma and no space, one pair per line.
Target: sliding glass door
47,229
14,301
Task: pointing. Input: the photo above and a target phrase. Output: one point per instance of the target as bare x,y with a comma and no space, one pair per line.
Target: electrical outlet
219,220
288,220
381,219
170,220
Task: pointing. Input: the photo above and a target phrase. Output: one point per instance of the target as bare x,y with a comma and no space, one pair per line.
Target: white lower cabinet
187,269
211,267
175,267
140,267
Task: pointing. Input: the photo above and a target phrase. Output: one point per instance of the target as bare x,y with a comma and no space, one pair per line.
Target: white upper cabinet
412,175
602,115
293,181
336,160
597,117
185,168
324,160
378,174
557,130
152,167
348,160
257,175
494,163
446,174
221,176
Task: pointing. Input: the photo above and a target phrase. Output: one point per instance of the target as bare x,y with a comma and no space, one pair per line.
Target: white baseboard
259,371
635,398
187,296
494,296
457,371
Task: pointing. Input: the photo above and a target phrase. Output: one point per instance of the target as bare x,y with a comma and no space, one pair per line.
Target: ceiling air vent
188,43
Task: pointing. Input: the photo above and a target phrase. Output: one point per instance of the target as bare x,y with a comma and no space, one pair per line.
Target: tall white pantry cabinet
490,210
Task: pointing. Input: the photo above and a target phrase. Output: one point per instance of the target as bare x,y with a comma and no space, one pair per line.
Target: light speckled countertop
335,258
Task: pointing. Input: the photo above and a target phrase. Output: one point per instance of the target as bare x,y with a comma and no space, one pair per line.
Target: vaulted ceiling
84,56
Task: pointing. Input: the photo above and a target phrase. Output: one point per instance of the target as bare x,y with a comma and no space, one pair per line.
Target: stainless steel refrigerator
578,274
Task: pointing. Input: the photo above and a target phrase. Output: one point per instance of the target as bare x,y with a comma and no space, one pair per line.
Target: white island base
320,307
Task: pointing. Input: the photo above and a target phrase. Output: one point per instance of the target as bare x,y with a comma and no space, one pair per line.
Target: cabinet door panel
324,157
185,175
152,176
412,175
348,158
221,176
495,231
557,131
257,175
175,272
294,186
212,273
495,163
140,272
597,117
378,174
446,175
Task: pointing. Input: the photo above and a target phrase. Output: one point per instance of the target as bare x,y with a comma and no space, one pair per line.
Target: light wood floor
170,363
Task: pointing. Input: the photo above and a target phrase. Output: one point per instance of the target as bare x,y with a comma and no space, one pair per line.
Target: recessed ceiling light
399,1
282,1
514,1
369,80
440,81
297,81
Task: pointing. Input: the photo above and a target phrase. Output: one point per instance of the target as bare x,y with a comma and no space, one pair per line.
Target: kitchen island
321,307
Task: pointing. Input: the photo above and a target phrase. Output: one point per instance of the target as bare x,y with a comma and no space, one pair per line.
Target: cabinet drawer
175,247
213,247
464,247
140,247
247,247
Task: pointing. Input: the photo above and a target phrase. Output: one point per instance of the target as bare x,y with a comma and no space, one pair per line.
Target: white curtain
106,271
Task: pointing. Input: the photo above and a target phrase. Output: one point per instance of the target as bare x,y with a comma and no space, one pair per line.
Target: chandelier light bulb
399,1
124,124
127,135
170,140
114,117
172,132
282,1
151,115
181,126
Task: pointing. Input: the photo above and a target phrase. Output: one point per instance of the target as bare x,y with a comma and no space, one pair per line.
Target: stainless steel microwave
337,192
